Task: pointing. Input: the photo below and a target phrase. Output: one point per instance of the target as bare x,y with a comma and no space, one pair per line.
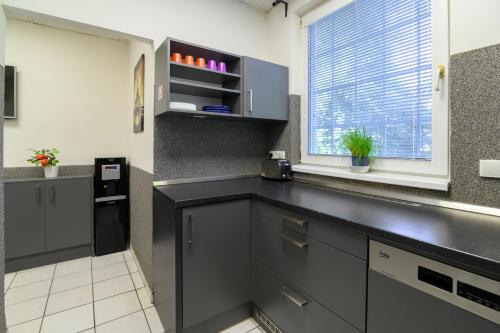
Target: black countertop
467,240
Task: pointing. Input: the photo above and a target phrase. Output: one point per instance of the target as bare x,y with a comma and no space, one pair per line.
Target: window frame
438,166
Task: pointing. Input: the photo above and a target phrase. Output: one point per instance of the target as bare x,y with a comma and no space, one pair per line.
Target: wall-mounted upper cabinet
265,90
184,85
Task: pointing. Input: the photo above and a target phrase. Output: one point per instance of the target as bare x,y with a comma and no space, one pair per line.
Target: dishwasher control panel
466,290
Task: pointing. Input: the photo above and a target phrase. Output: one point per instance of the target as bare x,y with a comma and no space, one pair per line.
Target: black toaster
276,169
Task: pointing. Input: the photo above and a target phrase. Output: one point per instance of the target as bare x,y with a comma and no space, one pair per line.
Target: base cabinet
290,308
215,259
24,219
43,216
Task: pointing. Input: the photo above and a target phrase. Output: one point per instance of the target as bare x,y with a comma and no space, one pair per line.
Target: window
372,64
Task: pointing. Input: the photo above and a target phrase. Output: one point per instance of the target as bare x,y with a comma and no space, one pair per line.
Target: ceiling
264,5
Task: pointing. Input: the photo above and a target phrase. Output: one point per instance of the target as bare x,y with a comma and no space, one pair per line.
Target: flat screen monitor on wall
10,92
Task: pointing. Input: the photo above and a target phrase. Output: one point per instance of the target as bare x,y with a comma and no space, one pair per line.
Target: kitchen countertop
30,179
467,240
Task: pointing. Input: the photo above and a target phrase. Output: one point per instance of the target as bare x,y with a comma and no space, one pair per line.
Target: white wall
73,94
141,144
224,24
473,24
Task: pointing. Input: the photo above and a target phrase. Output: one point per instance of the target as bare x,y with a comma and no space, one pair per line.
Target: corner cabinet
252,88
47,220
215,259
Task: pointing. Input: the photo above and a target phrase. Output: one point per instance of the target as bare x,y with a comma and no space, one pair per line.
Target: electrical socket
277,155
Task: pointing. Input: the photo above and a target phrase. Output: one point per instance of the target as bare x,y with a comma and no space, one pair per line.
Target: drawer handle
295,242
300,223
295,299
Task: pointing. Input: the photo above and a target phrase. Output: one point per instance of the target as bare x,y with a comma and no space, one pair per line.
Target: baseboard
42,259
141,273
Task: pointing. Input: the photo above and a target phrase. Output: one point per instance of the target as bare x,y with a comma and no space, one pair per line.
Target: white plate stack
182,106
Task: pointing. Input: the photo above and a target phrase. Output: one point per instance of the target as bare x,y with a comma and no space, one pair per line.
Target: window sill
430,183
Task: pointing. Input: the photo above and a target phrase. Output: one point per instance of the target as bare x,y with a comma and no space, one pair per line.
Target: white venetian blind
370,65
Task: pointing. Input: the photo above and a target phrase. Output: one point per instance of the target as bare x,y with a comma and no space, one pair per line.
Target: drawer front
341,238
334,278
290,309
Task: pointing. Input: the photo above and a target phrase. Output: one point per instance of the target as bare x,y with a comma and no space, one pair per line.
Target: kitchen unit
311,266
47,220
252,88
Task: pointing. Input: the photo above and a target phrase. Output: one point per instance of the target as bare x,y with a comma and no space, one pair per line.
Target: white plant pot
360,169
51,171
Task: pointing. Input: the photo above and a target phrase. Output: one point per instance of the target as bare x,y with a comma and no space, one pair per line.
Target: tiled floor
88,295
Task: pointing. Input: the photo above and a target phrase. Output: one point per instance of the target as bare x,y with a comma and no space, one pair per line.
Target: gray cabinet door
216,259
265,90
24,219
68,216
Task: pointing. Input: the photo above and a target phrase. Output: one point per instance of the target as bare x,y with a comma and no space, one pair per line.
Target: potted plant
47,159
361,146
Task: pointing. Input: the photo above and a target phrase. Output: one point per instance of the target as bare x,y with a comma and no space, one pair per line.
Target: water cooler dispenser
111,206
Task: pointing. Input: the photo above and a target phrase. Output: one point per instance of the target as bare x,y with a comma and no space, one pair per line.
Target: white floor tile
136,277
113,287
154,320
33,275
28,327
132,266
257,330
128,255
25,311
115,307
27,292
133,323
69,321
109,272
144,298
244,326
8,278
88,331
72,266
69,299
106,260
71,281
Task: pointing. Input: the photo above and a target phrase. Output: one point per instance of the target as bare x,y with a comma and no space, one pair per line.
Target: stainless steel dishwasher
408,293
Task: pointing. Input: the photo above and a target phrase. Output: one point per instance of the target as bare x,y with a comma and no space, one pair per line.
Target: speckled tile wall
474,132
191,147
141,220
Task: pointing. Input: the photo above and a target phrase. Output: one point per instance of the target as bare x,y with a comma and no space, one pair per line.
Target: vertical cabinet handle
38,195
250,92
190,230
52,194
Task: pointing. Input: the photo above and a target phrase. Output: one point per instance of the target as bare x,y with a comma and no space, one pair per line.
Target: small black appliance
111,206
276,169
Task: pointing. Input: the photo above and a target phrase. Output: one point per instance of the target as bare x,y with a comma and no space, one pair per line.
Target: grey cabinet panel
24,219
340,238
335,279
394,307
290,317
68,213
216,259
265,90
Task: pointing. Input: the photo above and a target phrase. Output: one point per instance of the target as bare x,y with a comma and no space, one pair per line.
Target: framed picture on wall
139,96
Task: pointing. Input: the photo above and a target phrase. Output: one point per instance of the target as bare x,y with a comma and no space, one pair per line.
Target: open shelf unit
179,82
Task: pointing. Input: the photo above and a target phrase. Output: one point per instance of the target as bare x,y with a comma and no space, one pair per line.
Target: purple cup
221,66
212,64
